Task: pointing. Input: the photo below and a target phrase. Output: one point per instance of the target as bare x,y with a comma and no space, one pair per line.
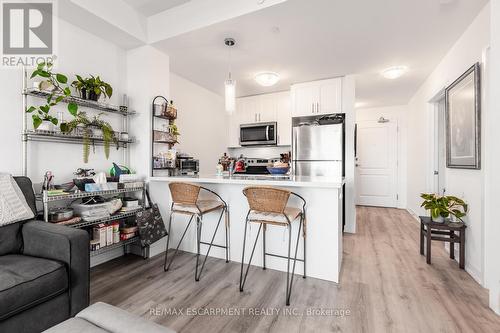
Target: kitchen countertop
271,180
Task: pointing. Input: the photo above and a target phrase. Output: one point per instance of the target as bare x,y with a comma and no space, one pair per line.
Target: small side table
438,231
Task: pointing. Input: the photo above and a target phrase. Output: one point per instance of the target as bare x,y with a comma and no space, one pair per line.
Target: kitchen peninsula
324,220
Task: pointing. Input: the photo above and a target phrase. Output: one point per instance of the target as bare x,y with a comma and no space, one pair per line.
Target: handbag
150,224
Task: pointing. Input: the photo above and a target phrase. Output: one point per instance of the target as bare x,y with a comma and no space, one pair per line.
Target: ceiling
151,7
314,39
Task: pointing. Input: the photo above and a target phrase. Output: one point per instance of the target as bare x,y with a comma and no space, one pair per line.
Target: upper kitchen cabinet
284,118
317,97
274,107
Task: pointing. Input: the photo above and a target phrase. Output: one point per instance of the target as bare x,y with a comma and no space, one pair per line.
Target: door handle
317,107
312,107
259,116
267,133
255,116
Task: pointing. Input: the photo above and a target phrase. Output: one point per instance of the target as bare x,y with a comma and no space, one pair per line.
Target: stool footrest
283,257
216,245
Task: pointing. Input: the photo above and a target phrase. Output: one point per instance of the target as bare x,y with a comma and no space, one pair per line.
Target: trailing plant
173,129
61,90
444,206
92,87
87,125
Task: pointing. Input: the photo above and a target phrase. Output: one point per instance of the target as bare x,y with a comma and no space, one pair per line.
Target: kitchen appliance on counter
318,145
187,165
259,134
256,166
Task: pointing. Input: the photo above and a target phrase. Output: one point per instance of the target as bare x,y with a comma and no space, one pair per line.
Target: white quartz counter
289,181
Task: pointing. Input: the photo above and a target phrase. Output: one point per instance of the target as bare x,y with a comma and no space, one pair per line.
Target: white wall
148,71
464,183
202,122
396,114
78,52
492,164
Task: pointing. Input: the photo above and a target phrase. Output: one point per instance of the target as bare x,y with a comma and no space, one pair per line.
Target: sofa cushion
27,281
76,325
11,240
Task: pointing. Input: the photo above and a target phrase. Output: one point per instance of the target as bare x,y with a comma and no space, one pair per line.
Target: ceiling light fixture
395,72
267,79
230,84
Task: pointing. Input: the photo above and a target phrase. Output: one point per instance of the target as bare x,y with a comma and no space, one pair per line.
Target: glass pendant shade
230,95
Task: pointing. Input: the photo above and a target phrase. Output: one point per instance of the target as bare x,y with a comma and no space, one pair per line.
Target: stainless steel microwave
259,134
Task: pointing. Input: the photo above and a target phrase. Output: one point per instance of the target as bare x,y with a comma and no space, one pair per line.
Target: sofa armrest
65,244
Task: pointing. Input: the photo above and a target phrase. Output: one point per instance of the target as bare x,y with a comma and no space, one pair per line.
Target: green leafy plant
173,129
444,206
92,87
61,90
88,126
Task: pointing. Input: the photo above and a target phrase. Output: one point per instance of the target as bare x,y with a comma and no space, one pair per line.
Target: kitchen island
324,221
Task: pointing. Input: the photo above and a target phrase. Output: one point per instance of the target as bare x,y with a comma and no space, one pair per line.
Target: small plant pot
46,126
93,96
83,93
439,219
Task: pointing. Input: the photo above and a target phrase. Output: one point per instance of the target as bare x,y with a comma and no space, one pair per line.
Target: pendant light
230,84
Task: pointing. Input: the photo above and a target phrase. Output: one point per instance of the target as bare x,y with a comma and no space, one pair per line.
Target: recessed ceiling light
267,79
395,72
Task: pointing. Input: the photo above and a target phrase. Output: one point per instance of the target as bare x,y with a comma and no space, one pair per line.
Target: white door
330,97
376,165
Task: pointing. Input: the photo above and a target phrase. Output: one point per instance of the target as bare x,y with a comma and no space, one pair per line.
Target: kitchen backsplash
261,152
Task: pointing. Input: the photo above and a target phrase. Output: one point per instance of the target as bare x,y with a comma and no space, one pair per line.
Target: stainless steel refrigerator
318,145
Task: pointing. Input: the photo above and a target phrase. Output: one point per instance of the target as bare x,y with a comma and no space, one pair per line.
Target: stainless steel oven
258,134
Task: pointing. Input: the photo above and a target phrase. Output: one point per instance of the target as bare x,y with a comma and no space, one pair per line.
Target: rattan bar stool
186,201
268,205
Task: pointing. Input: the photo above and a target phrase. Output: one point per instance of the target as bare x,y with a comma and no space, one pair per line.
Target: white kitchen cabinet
275,107
284,118
317,97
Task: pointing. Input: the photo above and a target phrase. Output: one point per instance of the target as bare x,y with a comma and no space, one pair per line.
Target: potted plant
173,130
42,119
91,88
91,128
442,207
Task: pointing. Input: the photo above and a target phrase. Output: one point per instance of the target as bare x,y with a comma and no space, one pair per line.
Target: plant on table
92,87
442,207
60,90
88,127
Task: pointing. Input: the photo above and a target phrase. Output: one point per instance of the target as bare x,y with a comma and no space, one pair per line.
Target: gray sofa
44,272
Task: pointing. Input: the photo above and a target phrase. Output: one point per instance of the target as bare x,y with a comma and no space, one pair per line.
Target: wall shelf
119,216
114,246
81,102
53,136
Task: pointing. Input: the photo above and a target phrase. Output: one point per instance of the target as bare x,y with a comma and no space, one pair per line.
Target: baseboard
413,214
495,300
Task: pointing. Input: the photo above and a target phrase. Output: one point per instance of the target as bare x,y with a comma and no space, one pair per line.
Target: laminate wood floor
386,286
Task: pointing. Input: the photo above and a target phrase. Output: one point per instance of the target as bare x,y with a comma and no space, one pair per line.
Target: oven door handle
267,132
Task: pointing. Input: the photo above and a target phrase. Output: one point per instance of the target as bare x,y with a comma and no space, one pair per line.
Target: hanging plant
60,90
88,128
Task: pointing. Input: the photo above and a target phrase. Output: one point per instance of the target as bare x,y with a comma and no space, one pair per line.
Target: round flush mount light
267,79
395,72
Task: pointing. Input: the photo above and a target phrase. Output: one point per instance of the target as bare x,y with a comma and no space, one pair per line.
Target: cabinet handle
312,104
317,107
255,116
